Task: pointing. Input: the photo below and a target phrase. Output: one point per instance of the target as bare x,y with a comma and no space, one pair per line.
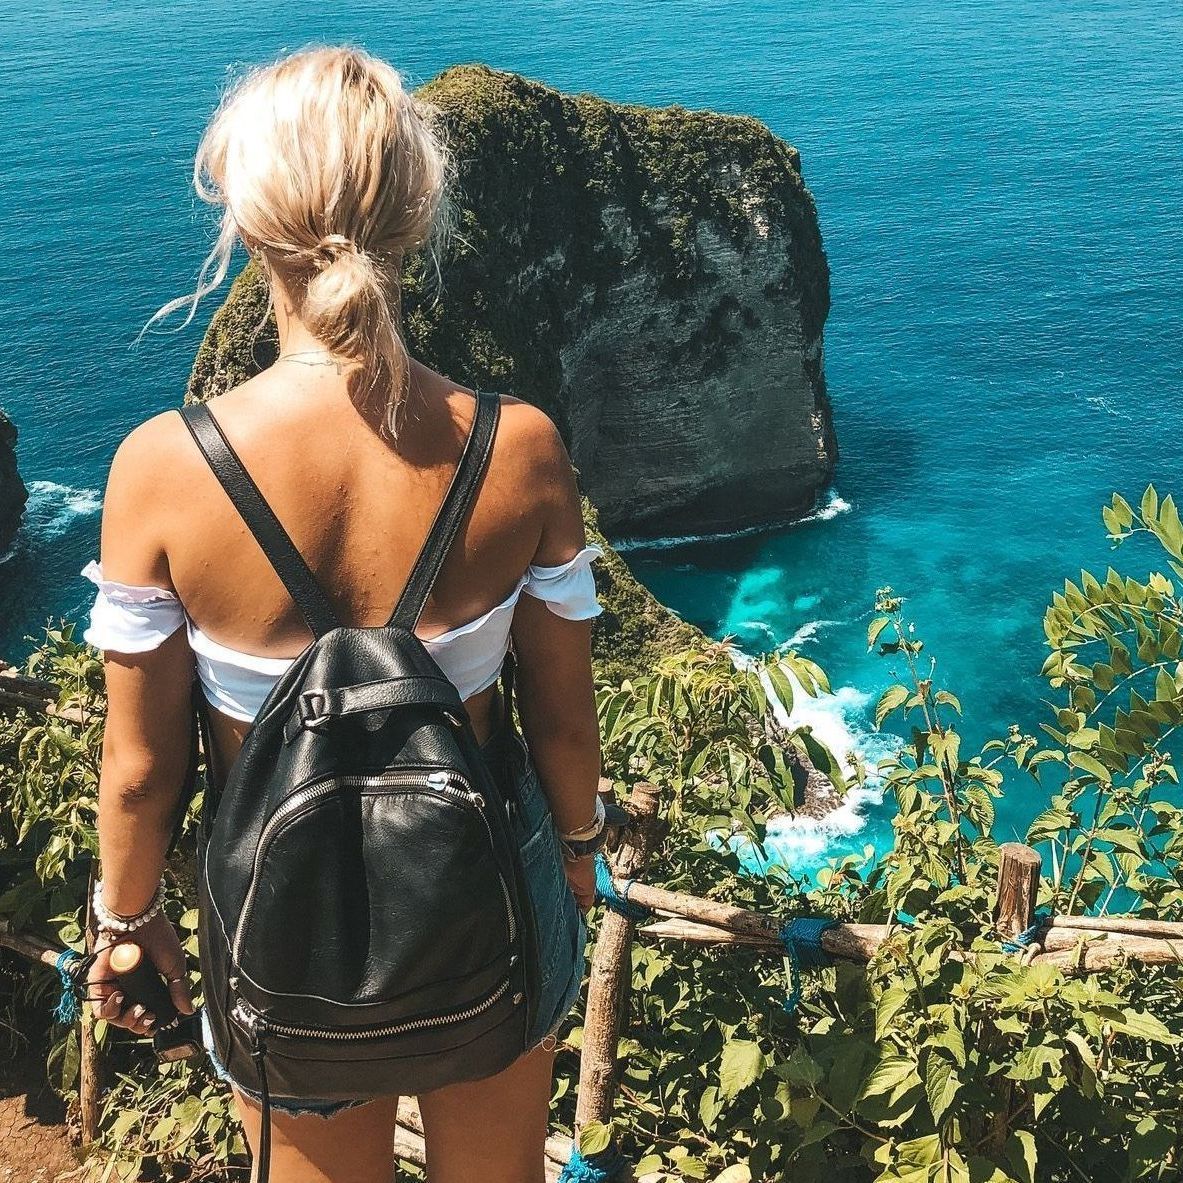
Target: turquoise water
999,189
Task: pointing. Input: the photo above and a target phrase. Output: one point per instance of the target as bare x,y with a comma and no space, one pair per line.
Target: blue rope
599,1168
1028,936
802,939
67,1007
607,894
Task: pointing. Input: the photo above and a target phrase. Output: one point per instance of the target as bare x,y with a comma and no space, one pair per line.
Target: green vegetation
946,1059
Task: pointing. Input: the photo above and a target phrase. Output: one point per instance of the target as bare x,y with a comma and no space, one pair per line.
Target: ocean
999,189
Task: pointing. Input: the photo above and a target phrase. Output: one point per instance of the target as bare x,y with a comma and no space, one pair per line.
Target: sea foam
832,507
838,720
52,508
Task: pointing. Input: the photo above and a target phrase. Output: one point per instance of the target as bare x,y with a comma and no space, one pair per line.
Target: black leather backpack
365,924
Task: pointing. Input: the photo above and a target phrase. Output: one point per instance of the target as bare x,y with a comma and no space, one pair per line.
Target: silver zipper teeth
452,785
380,1032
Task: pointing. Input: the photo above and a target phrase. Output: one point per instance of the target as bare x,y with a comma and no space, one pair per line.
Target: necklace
330,358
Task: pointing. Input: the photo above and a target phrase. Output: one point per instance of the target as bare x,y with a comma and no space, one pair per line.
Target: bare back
357,508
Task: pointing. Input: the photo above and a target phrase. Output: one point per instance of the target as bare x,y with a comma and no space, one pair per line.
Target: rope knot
67,964
1029,936
802,939
611,898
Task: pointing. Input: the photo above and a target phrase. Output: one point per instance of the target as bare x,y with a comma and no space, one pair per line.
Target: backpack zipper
449,784
256,1024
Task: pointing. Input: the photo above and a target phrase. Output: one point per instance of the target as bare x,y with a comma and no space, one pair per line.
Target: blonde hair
331,173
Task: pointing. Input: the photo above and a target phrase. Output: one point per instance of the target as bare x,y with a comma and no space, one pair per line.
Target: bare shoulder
159,448
542,465
531,437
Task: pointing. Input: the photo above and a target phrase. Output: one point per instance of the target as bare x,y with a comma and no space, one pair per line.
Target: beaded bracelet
112,922
592,829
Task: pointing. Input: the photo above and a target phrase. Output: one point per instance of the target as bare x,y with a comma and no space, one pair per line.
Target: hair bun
332,246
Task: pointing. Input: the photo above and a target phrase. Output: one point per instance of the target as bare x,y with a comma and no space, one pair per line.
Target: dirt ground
35,1144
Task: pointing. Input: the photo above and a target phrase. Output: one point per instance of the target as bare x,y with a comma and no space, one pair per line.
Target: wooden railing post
611,968
90,1066
1018,888
1014,912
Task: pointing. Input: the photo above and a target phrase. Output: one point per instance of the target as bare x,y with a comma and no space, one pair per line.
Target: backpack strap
460,496
260,519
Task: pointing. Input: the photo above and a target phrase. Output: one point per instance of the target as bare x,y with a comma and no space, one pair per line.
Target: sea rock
13,494
653,278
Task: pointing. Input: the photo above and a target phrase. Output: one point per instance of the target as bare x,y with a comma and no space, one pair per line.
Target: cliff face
654,279
12,490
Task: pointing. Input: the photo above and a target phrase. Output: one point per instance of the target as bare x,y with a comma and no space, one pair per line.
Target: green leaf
738,1173
886,1076
1145,1026
1149,504
782,685
741,1065
1021,1155
890,700
709,1107
890,1003
801,1069
1091,765
594,1138
940,1086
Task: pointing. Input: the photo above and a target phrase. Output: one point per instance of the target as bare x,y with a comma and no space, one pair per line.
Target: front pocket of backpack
368,891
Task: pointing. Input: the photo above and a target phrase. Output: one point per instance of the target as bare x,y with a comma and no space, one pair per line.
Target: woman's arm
147,738
554,685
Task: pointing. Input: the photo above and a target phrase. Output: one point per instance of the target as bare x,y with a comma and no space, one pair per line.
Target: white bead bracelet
109,921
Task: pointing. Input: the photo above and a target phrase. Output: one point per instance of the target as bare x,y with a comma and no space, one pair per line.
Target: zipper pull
438,780
255,1025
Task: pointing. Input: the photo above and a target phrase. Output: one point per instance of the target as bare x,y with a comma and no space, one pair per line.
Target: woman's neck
294,335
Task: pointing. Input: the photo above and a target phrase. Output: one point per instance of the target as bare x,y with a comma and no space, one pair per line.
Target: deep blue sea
999,187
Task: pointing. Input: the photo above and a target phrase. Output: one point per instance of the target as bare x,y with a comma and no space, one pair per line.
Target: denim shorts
562,933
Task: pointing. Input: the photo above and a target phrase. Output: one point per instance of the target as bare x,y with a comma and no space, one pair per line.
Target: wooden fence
1077,944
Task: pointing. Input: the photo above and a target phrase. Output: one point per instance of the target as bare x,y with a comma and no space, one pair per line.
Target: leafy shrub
946,1058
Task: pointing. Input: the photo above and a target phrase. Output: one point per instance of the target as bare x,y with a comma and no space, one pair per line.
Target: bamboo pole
611,967
1090,956
851,942
1130,925
31,948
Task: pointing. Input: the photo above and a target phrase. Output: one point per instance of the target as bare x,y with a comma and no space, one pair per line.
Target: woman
330,173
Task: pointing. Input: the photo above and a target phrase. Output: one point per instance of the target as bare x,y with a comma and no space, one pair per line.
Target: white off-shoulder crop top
127,619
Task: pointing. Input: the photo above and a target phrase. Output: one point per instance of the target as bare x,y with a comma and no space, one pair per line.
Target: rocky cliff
12,490
653,278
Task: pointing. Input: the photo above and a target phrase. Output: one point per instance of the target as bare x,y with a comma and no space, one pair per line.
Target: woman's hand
162,948
581,875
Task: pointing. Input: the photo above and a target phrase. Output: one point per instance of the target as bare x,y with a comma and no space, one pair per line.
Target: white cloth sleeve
569,590
128,619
